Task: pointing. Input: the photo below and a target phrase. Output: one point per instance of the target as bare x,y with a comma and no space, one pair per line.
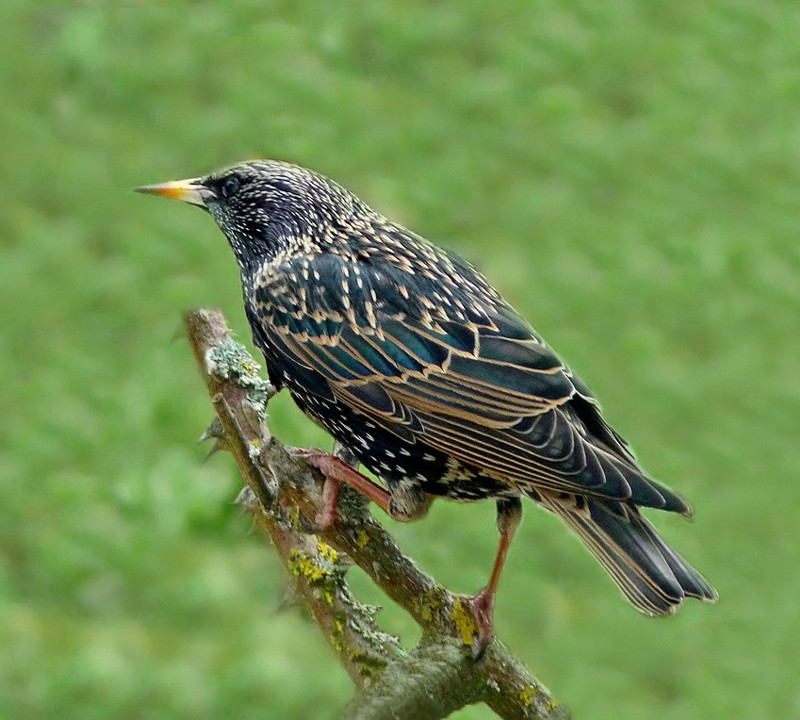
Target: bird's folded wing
483,388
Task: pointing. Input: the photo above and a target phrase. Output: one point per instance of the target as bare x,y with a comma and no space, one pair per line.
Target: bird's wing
468,377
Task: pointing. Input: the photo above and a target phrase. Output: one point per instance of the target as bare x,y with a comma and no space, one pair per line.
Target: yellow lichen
527,695
336,635
294,518
361,538
326,551
551,705
366,665
301,563
425,612
464,620
430,603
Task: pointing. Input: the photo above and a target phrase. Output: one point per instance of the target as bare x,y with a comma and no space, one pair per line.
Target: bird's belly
397,460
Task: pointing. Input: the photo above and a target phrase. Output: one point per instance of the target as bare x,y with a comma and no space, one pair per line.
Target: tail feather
693,583
653,576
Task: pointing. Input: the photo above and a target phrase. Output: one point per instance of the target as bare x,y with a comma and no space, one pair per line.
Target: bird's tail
649,572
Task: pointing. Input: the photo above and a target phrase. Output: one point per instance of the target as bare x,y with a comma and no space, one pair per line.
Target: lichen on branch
430,681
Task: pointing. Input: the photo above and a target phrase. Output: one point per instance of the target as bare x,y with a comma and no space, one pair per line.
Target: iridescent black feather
412,360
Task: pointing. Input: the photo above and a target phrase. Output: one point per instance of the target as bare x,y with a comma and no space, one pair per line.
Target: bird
416,365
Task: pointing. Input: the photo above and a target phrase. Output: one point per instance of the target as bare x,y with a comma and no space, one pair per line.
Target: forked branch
439,675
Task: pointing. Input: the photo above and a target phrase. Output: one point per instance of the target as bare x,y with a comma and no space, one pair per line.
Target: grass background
625,172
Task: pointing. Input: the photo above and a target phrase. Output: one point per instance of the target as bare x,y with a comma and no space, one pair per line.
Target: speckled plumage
408,357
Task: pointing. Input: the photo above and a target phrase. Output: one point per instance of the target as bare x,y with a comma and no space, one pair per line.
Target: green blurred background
627,174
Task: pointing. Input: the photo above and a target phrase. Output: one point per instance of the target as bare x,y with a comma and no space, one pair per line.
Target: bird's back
380,334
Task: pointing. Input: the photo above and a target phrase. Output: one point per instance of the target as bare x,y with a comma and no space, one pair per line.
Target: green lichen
362,621
376,638
325,570
367,664
464,620
230,360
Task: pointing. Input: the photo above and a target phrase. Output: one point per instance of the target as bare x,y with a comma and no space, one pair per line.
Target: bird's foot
316,458
326,517
337,471
482,605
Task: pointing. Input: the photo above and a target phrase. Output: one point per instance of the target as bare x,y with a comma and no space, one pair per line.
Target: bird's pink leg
336,471
509,515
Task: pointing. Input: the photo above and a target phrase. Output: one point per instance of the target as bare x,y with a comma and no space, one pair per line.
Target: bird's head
265,207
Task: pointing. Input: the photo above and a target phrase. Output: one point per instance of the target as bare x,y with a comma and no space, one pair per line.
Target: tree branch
439,675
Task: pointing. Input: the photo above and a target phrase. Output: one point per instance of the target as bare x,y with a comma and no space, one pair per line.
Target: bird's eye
229,187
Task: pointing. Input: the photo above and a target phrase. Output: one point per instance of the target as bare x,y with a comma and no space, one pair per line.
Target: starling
414,363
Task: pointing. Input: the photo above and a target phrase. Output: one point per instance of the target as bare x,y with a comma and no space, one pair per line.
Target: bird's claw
299,452
314,458
326,518
482,606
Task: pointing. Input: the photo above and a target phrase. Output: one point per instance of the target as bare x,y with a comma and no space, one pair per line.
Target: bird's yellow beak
191,190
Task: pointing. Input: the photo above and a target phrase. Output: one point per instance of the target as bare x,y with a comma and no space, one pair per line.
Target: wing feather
480,386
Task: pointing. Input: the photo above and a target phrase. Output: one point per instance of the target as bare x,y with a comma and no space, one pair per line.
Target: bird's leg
330,490
337,471
509,515
330,501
